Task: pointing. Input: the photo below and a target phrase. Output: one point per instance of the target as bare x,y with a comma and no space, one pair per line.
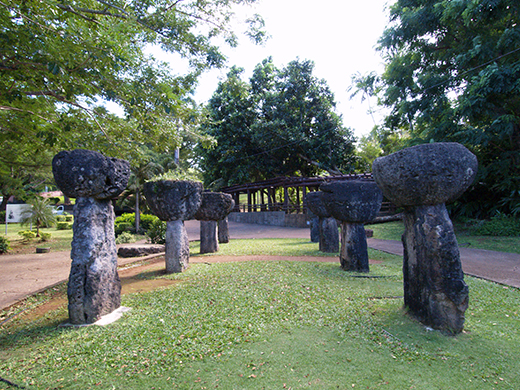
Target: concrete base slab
105,320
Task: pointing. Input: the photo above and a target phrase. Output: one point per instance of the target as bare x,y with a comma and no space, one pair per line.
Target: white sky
338,35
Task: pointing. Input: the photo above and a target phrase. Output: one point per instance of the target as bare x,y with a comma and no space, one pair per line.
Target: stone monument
215,206
354,203
313,222
328,227
94,288
174,201
422,179
223,230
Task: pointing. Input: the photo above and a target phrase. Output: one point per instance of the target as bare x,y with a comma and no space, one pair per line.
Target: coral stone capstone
426,174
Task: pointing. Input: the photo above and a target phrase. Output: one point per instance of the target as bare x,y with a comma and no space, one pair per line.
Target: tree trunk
5,199
137,211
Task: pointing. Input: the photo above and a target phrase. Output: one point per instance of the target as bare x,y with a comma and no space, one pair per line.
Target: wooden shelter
282,193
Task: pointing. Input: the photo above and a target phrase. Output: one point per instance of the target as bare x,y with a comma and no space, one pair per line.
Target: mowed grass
266,247
60,239
271,325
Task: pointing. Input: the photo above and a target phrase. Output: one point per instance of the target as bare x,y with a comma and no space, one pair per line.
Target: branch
16,65
150,27
64,100
127,15
6,108
316,164
77,11
43,27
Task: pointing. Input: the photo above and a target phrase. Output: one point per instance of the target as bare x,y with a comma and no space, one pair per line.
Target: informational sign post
13,213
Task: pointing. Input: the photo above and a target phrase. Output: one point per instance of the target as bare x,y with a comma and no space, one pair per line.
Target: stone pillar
214,207
354,248
174,201
421,179
328,227
94,288
223,230
315,229
208,237
177,247
354,203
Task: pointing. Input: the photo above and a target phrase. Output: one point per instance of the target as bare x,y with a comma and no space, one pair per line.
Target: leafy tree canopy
61,59
453,74
281,123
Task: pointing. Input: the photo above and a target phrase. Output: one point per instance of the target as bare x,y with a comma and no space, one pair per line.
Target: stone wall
272,218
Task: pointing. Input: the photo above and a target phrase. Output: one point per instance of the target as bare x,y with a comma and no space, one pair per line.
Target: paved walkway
24,275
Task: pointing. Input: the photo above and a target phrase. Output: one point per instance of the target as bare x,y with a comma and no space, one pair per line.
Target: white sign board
13,212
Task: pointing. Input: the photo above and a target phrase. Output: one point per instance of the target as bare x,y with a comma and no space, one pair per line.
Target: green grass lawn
271,325
60,239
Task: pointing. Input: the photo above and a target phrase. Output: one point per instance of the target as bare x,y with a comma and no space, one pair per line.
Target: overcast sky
339,36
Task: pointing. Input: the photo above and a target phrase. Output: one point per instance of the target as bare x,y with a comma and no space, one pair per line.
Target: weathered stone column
223,230
328,227
94,288
314,222
422,179
354,203
214,207
174,201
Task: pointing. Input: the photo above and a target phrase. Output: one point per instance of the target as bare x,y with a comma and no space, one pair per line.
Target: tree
25,171
229,122
61,60
140,172
150,165
39,213
281,123
453,74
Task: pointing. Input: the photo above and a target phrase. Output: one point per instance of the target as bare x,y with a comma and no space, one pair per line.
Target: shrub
123,227
499,225
126,217
68,218
4,245
63,226
60,218
45,236
125,238
2,216
126,222
39,213
146,221
54,200
157,232
27,234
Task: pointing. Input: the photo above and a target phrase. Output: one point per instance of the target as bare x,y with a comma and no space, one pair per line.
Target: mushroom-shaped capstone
85,173
94,288
426,174
354,203
174,201
422,179
328,227
215,206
